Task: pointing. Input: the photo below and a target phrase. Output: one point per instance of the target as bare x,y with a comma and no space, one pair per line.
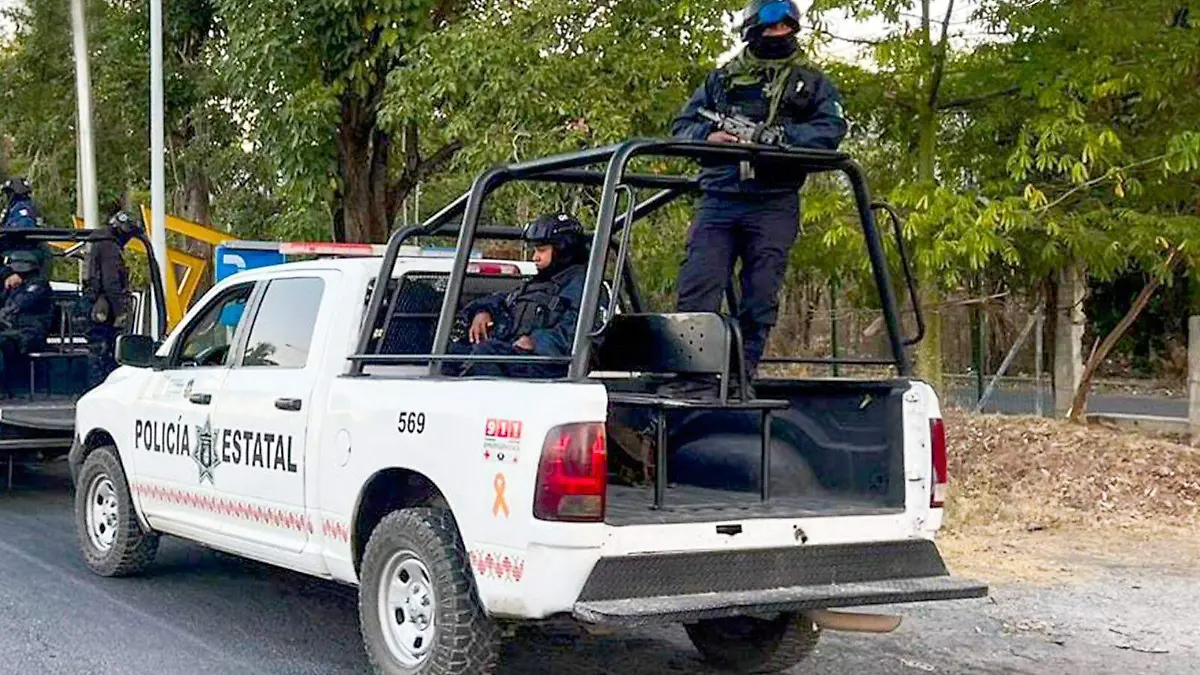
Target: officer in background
20,213
105,295
27,310
539,317
19,209
754,213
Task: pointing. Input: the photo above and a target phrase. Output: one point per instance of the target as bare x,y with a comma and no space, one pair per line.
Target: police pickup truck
298,416
39,388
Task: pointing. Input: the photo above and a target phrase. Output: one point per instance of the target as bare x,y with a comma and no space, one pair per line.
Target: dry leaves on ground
1034,473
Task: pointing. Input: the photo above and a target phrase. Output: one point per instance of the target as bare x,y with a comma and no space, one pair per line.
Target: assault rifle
747,130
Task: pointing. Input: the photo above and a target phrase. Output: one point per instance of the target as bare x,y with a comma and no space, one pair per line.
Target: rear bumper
637,590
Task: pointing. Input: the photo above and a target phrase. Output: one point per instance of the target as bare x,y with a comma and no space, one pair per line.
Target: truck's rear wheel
748,645
113,541
418,607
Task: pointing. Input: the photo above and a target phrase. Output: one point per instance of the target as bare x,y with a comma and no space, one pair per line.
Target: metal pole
1008,359
83,89
1194,379
1037,368
833,323
977,351
158,195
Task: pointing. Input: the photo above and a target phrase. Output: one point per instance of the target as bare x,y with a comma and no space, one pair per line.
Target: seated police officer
105,295
27,311
539,317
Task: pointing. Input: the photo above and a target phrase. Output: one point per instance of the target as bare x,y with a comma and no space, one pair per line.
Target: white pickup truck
297,416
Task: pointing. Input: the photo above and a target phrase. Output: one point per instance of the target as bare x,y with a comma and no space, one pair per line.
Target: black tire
132,549
465,640
748,645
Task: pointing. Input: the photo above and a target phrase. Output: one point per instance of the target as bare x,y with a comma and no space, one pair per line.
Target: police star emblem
205,454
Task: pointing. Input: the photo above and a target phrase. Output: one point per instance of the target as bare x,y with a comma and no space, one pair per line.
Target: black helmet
562,230
23,262
762,13
16,186
123,227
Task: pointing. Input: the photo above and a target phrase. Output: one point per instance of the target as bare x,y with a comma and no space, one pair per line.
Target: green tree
309,79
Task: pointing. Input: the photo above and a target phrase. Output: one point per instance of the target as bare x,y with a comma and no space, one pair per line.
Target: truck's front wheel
748,645
113,541
418,607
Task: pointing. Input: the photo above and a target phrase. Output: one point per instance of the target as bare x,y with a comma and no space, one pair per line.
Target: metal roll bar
571,168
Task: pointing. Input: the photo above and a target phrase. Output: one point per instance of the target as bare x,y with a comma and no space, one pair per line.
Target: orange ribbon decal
500,504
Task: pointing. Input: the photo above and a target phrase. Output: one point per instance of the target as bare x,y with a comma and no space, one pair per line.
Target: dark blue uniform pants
758,229
495,347
102,347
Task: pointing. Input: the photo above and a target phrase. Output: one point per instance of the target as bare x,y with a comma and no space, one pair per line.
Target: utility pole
158,199
83,91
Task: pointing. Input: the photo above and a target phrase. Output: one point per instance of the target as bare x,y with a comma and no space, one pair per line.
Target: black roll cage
615,180
46,234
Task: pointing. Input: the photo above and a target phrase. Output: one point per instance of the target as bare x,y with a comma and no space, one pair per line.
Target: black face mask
774,48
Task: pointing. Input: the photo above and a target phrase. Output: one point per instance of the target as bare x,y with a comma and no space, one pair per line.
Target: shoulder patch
33,287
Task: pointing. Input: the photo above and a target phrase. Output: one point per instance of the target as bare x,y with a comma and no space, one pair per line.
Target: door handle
200,399
291,404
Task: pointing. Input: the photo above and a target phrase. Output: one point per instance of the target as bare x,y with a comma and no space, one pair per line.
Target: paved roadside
199,612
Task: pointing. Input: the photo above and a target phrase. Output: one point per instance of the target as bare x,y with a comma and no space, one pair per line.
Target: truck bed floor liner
629,505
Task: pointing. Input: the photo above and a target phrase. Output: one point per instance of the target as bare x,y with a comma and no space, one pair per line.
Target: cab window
209,340
282,332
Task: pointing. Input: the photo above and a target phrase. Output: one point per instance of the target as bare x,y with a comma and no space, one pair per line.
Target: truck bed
632,505
42,414
837,450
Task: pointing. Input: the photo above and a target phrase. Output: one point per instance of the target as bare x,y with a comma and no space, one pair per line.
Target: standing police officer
105,294
754,215
27,311
538,318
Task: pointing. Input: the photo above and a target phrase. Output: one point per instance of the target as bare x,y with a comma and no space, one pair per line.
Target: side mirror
137,351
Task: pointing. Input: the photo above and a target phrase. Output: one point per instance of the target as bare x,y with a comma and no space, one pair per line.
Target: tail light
572,475
941,475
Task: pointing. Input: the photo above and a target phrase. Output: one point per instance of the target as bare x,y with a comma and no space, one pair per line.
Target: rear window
411,321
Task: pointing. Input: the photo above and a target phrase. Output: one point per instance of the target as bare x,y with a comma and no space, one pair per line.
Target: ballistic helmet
23,262
562,230
123,227
762,13
16,186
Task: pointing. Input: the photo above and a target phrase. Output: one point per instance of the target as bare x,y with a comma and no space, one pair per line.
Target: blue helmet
762,13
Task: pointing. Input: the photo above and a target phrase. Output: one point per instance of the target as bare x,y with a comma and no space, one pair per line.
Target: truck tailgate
684,587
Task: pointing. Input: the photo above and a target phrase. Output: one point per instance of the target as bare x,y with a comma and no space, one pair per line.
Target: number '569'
411,423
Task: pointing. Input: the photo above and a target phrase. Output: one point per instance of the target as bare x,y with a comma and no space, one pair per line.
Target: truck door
263,413
172,450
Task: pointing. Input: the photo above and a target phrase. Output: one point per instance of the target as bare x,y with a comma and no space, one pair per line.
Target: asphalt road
199,612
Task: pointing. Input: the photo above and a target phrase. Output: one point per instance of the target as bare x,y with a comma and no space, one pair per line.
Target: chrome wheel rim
407,609
102,513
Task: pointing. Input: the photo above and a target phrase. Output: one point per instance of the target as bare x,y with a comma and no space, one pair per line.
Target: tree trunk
363,160
192,201
370,198
929,354
1078,410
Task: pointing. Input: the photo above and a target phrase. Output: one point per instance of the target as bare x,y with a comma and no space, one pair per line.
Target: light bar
492,269
330,248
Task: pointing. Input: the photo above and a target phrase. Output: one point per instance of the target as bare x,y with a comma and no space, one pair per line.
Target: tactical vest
753,101
533,306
